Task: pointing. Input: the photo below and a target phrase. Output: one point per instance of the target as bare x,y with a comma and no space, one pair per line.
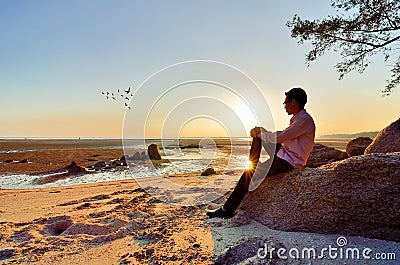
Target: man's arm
298,128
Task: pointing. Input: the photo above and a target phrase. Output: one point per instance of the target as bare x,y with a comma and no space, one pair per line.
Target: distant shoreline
370,134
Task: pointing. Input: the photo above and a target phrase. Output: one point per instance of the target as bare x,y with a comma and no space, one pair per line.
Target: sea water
185,156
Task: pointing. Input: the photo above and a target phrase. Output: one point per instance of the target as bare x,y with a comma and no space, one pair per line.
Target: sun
245,114
248,165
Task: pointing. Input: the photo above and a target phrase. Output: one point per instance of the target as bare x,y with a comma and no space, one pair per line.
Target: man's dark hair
297,94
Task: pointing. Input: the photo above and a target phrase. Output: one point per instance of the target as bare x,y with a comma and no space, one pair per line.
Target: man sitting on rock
288,149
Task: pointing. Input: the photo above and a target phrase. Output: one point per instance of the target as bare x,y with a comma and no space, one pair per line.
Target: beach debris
9,161
153,151
22,161
387,140
208,171
357,146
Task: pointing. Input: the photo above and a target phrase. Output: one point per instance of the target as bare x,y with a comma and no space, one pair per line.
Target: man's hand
255,132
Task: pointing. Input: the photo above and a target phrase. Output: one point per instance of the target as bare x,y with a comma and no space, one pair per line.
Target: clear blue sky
57,56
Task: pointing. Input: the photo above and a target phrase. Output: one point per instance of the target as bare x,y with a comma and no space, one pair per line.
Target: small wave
15,151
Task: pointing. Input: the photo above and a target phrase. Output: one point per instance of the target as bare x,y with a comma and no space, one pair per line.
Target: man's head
295,100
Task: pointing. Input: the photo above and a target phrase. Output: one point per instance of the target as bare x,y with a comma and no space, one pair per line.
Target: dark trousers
278,165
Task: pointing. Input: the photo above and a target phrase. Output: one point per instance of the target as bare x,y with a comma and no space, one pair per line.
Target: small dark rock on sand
208,171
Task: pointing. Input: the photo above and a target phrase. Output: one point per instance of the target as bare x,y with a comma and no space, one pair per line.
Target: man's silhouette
288,149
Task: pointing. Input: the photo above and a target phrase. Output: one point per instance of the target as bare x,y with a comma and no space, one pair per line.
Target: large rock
357,146
322,154
74,168
356,196
154,152
387,140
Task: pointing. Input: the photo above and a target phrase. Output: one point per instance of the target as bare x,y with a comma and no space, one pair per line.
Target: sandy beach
128,221
118,223
103,223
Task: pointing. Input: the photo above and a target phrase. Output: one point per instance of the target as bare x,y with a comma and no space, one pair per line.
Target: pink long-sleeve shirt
297,139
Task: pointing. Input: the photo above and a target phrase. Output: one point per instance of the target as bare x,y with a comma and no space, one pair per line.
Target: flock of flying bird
125,94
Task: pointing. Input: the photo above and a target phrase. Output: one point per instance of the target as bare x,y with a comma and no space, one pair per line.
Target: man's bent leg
234,200
242,186
255,151
271,148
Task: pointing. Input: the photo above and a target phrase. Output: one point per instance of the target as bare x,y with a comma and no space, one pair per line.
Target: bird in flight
125,96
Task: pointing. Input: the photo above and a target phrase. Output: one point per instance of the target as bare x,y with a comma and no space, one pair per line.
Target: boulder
387,140
357,196
136,156
22,161
74,168
100,164
154,152
208,171
8,161
322,154
123,160
116,162
357,146
73,164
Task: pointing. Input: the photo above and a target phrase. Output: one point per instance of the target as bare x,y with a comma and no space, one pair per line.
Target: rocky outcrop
99,165
208,171
123,160
356,196
387,140
139,156
357,146
322,155
154,152
74,168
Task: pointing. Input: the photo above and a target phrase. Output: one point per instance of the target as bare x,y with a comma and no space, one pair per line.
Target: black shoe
220,213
